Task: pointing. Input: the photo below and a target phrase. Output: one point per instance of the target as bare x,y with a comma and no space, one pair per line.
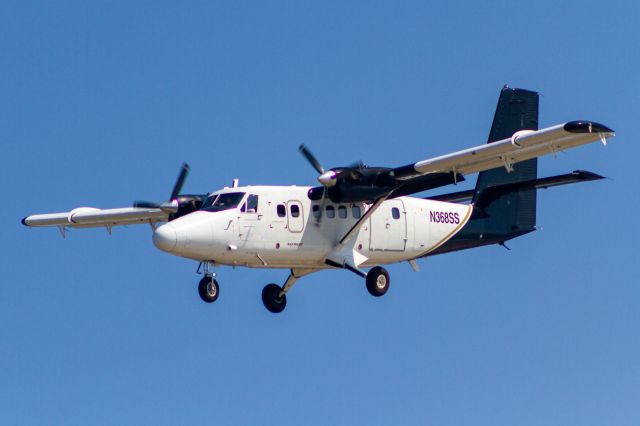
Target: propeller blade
182,176
325,197
311,159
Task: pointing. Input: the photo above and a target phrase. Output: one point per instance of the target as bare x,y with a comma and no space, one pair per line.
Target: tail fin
504,203
515,212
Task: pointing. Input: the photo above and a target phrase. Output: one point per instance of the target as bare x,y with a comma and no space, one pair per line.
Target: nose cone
165,238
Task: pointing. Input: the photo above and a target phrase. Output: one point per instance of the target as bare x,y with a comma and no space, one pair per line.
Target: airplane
359,217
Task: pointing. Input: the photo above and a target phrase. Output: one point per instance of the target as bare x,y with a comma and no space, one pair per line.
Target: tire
272,299
208,289
378,281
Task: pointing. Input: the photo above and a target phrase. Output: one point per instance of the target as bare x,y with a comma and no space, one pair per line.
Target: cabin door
389,227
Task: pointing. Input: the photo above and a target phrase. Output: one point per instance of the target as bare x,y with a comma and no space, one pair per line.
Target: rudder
515,212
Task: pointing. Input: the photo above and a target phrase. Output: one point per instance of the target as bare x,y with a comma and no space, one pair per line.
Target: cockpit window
220,202
252,203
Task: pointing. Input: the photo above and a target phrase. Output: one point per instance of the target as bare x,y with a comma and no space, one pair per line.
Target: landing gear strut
274,297
377,281
208,288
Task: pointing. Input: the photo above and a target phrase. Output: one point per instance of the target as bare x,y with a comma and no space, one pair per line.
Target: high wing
142,211
522,146
89,217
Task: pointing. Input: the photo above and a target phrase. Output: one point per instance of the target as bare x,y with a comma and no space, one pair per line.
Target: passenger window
395,213
331,212
316,211
252,204
357,213
295,210
342,212
282,212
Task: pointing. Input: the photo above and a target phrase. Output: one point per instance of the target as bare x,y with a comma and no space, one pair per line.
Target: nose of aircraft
165,238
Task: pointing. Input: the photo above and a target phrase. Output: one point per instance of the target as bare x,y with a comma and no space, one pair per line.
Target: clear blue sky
100,102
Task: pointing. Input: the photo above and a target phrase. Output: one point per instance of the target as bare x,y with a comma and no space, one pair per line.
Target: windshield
217,203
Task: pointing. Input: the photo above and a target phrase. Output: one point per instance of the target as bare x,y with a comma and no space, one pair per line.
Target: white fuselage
284,231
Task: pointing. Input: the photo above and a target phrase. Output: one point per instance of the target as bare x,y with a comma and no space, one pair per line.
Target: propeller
354,183
327,178
173,204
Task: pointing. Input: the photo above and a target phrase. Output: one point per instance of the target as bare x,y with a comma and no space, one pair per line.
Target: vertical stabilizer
515,212
496,219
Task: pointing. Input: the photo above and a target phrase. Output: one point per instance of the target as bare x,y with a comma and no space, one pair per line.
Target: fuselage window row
343,212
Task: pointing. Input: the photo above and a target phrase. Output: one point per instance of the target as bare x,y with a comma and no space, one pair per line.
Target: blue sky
101,102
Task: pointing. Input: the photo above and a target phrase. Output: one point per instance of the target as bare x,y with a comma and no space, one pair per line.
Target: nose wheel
209,289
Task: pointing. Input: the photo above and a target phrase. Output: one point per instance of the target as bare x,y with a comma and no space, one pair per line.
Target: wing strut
354,229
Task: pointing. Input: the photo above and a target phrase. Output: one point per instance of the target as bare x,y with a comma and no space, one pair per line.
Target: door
249,219
389,227
295,216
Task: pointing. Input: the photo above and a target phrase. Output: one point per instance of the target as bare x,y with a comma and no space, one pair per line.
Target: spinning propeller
329,178
177,205
338,181
326,178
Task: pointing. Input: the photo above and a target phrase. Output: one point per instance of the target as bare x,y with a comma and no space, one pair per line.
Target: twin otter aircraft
360,216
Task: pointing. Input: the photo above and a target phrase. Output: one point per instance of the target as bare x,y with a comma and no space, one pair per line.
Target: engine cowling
188,203
343,193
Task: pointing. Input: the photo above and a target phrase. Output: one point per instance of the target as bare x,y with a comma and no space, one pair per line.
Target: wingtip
582,126
587,175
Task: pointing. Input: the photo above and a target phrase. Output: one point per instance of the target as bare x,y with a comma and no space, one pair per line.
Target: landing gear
209,289
377,281
274,298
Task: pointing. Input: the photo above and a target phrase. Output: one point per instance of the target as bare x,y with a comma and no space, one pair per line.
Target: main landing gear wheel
272,299
209,289
377,281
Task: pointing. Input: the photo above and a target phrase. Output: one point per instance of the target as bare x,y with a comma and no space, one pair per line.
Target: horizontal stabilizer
491,193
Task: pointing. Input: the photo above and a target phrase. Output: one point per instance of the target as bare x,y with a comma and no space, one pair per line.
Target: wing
89,217
141,212
522,146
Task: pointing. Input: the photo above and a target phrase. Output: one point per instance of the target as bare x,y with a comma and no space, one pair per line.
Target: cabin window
316,211
342,212
395,213
356,212
295,210
282,212
331,212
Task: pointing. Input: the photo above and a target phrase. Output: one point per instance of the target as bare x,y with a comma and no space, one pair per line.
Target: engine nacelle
343,193
188,204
